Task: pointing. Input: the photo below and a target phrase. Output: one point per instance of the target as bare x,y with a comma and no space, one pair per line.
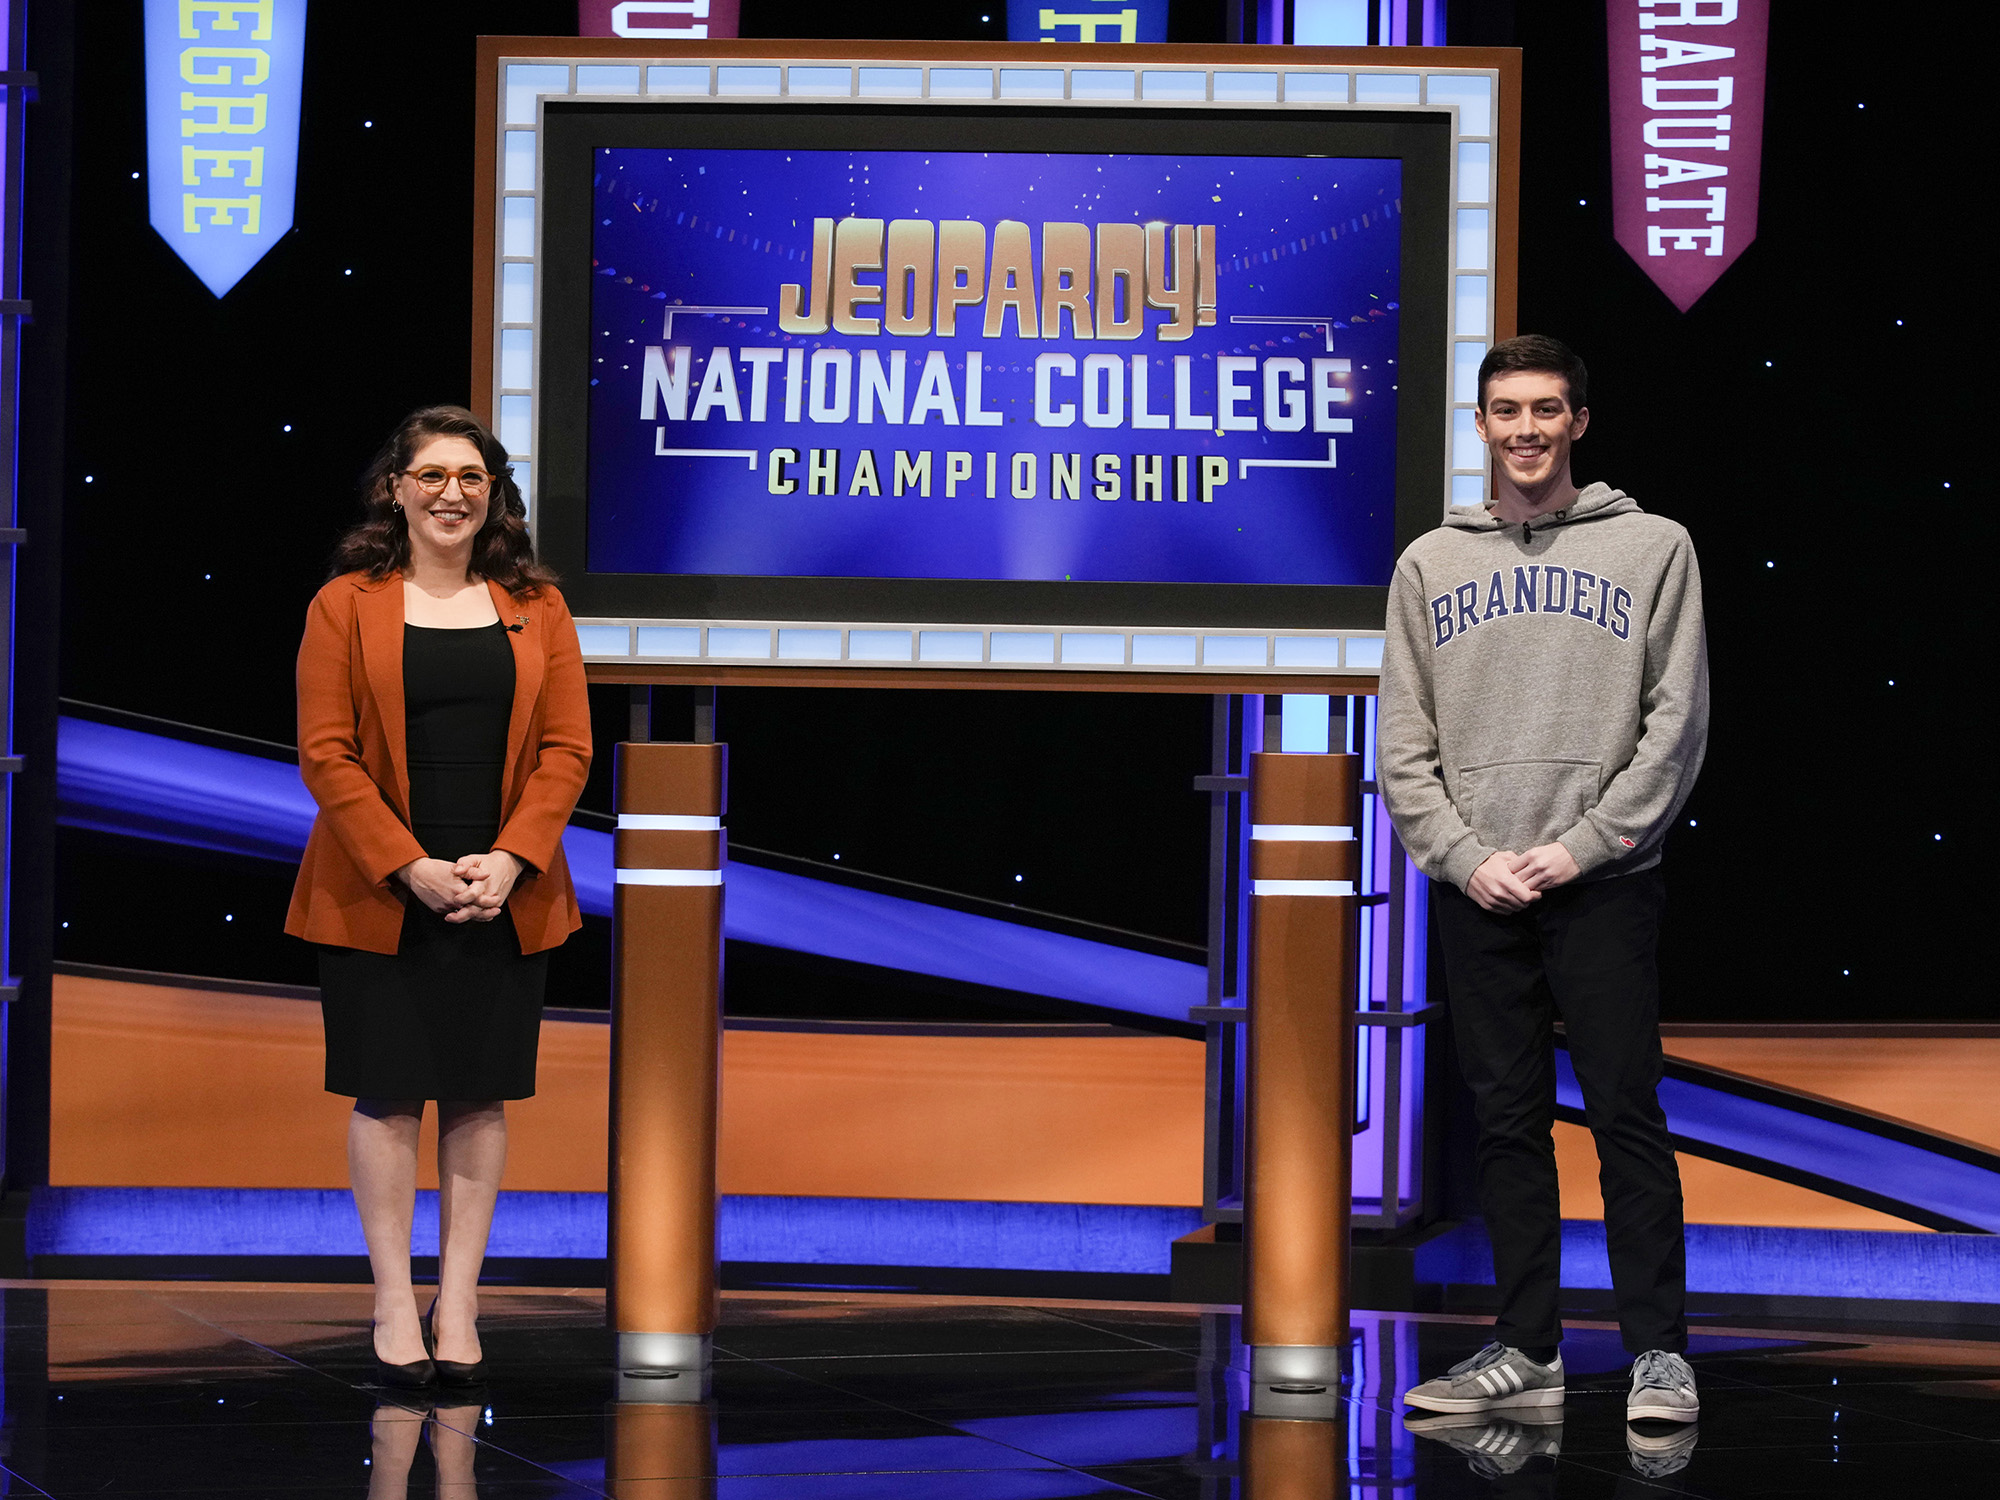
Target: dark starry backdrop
1811,421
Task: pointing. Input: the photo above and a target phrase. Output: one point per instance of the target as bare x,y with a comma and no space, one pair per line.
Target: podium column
660,1452
666,1052
1297,1198
1293,1458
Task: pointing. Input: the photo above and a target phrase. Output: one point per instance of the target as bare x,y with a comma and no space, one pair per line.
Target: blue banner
222,129
1087,21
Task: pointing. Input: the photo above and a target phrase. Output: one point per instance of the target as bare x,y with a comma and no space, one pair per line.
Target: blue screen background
1296,238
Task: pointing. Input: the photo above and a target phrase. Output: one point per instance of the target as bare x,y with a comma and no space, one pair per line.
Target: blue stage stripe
813,916
205,1221
884,1468
1722,1258
1755,1260
1904,1173
124,781
807,1231
149,786
929,1232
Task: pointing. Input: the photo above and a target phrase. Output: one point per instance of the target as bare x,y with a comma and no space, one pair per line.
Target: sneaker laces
1492,1354
1656,1369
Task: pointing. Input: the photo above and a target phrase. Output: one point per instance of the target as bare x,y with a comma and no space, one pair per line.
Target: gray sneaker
1496,1446
1662,1389
1496,1376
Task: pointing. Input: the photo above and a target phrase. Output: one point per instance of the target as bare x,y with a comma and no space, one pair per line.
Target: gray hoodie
1542,683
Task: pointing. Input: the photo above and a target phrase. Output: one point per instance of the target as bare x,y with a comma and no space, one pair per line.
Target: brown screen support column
666,1052
1304,867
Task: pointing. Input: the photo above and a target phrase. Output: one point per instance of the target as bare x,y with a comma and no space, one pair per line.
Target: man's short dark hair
1537,354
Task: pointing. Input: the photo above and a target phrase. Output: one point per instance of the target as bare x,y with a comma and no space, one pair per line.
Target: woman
444,730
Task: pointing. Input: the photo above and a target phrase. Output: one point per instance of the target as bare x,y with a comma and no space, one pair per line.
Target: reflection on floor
135,1389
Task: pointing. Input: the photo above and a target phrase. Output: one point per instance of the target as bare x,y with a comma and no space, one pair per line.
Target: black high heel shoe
417,1375
451,1372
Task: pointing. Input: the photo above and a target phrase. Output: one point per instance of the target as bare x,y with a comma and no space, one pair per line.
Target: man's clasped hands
1507,882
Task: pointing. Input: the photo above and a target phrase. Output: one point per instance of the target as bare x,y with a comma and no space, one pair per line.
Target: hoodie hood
1593,503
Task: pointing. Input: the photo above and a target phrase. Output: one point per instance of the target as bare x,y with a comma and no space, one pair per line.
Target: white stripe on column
1301,887
669,877
677,822
1302,833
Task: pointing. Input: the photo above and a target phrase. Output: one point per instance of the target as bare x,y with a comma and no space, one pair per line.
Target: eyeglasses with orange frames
472,483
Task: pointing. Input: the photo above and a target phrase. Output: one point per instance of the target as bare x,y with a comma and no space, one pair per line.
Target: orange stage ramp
161,1086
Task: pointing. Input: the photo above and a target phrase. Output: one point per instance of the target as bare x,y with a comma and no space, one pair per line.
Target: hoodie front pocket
1518,804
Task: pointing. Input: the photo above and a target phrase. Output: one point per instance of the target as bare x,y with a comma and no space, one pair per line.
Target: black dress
456,1012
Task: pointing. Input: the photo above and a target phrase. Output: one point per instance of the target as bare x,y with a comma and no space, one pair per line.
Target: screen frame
572,119
572,129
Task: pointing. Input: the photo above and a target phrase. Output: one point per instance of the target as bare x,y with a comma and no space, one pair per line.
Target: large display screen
994,365
973,364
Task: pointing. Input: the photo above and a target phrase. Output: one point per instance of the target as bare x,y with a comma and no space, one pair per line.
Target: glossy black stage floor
176,1388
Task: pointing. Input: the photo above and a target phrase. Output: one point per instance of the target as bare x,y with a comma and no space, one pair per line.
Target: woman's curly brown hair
380,544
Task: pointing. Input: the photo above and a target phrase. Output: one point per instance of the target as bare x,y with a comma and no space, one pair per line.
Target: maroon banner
1687,136
658,20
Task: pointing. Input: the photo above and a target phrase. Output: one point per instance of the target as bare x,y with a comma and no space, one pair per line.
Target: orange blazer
354,761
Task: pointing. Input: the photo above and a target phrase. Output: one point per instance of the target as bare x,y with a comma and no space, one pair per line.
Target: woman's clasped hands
473,889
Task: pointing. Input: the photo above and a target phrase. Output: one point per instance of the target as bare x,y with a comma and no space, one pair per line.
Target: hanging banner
1687,136
1087,21
658,20
222,129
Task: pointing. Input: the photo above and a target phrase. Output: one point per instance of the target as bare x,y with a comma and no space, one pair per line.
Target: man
1543,715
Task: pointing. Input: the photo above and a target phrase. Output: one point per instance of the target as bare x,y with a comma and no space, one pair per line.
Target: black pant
1588,953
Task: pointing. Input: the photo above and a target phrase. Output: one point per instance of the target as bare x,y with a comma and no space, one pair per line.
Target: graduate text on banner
1687,136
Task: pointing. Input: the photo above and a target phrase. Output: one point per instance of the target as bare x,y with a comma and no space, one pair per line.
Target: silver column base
1296,1402
661,1387
1296,1364
665,1351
